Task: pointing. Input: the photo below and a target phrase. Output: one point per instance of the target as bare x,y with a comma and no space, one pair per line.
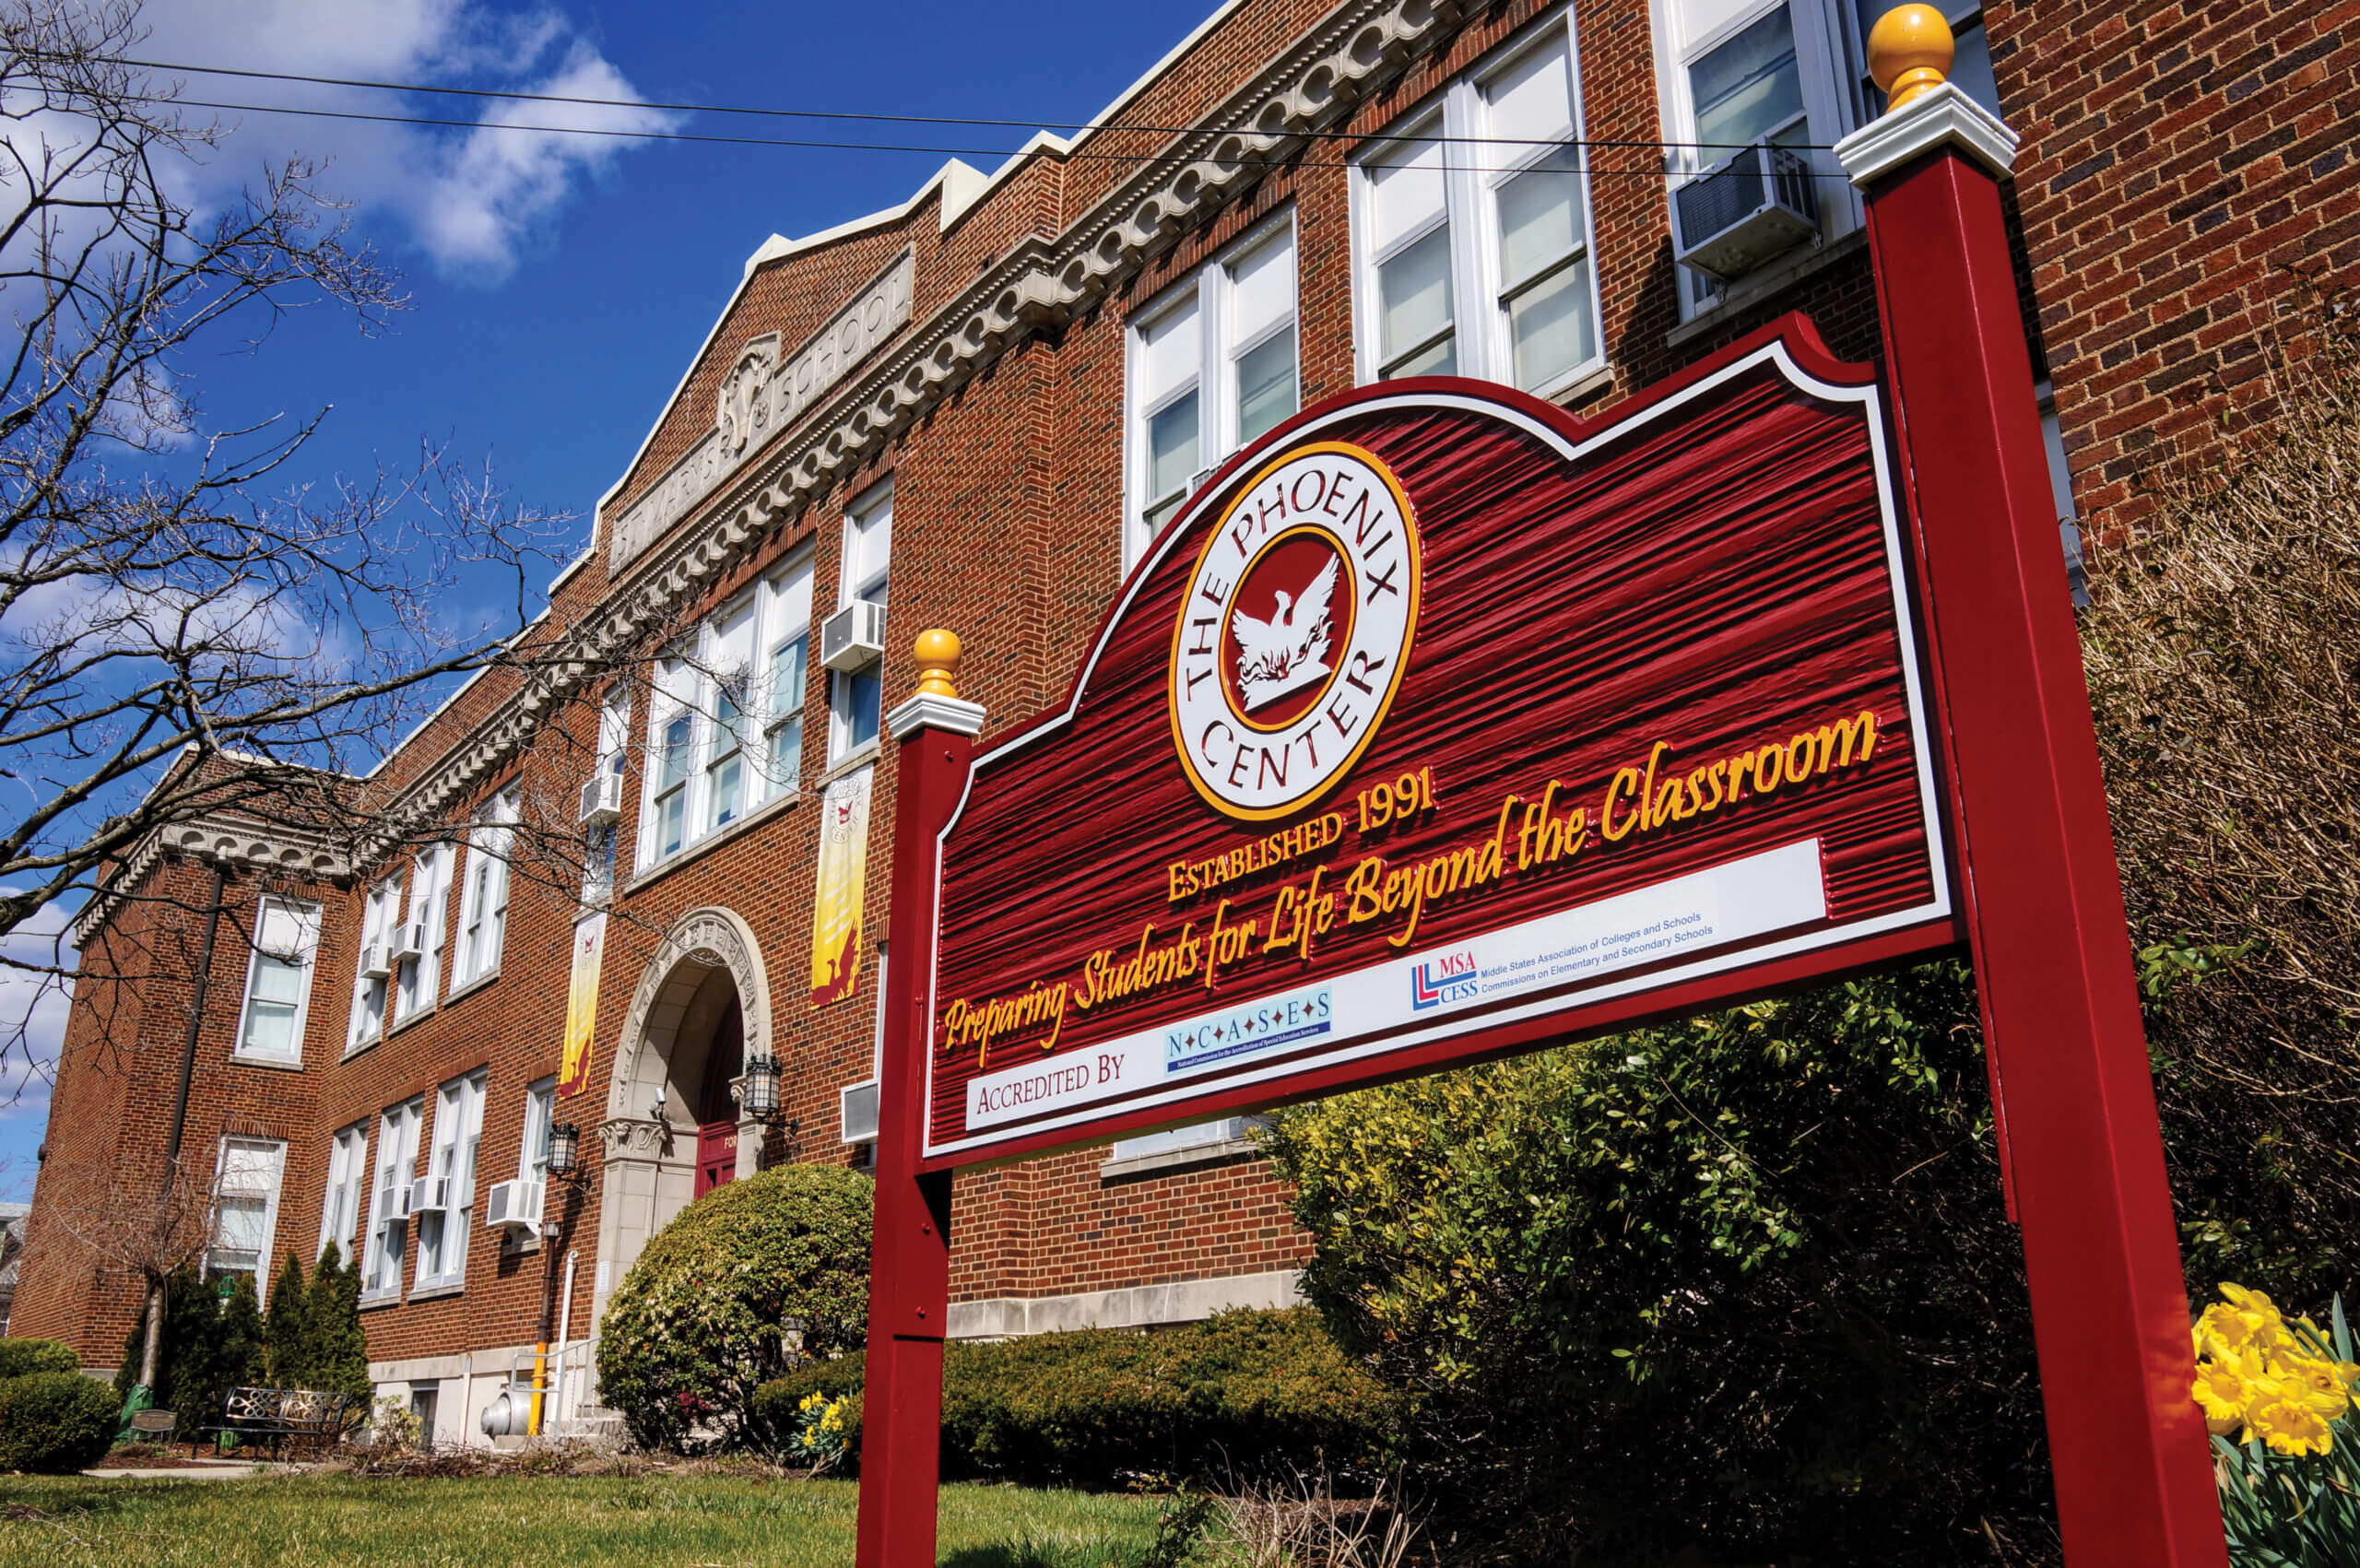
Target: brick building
985,399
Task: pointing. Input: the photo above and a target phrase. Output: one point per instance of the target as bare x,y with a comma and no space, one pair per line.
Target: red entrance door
716,1110
717,1155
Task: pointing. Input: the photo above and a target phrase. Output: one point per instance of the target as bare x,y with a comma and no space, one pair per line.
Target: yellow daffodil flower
2221,1393
2289,1426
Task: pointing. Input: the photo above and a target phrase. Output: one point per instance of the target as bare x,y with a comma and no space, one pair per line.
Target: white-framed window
533,1151
1211,364
418,979
278,980
598,842
1793,72
1472,258
246,1207
451,1182
348,1175
671,741
855,698
787,633
397,1127
483,912
378,913
730,786
725,721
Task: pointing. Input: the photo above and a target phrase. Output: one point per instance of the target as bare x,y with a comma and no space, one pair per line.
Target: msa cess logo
1293,630
1450,978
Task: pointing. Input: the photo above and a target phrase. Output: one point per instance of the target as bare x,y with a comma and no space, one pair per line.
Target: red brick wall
2187,180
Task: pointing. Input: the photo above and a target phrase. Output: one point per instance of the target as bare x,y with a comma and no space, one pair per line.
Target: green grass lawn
651,1522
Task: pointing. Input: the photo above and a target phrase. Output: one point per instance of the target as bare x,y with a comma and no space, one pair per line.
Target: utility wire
1644,174
514,97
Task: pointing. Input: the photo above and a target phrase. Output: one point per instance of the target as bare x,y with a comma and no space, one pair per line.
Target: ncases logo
1450,978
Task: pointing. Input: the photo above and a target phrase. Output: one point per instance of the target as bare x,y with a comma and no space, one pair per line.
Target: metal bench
281,1418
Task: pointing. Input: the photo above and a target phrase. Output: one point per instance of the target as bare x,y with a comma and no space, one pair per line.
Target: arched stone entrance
673,1128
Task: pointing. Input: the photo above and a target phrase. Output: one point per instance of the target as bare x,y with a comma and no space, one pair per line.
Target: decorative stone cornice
239,843
1038,285
760,397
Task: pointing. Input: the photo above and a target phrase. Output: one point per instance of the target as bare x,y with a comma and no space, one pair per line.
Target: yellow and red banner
843,877
582,1004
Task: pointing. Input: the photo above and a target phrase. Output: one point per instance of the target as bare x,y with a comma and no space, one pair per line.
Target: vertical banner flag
582,1004
843,875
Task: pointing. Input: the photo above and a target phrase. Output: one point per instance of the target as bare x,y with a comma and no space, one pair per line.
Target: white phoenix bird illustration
1288,650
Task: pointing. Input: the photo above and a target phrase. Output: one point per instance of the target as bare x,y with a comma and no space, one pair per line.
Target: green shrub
1245,1394
19,1357
702,1319
335,1350
55,1422
211,1344
1743,1284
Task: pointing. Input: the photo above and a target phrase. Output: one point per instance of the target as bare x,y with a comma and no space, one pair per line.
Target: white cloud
475,200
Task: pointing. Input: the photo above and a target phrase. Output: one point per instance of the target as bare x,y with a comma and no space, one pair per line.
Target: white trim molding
927,711
1942,117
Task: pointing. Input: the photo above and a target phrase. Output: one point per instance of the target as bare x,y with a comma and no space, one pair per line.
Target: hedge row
19,1357
1243,1394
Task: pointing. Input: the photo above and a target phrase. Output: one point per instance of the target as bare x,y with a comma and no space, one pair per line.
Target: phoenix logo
1288,652
1293,630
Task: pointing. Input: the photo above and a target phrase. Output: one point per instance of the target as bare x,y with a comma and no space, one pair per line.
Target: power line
900,146
771,113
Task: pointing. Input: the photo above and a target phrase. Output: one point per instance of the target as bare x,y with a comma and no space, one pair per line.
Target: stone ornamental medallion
1293,630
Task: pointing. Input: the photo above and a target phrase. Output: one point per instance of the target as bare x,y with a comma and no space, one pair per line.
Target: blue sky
558,286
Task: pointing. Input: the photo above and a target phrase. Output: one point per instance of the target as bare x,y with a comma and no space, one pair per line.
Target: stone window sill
471,988
852,761
711,842
388,1299
436,1292
1169,1160
273,1063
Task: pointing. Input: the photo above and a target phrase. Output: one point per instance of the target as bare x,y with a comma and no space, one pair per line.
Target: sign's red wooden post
2042,893
910,1259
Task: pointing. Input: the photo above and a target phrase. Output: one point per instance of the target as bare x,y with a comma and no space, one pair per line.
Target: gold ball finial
937,653
1910,50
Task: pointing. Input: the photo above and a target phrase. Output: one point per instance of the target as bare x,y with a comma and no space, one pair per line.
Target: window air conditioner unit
410,943
856,1107
392,1202
853,638
376,960
602,798
1741,213
512,1205
430,1194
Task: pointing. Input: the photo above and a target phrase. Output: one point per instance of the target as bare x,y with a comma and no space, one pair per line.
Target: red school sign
1442,724
1439,726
